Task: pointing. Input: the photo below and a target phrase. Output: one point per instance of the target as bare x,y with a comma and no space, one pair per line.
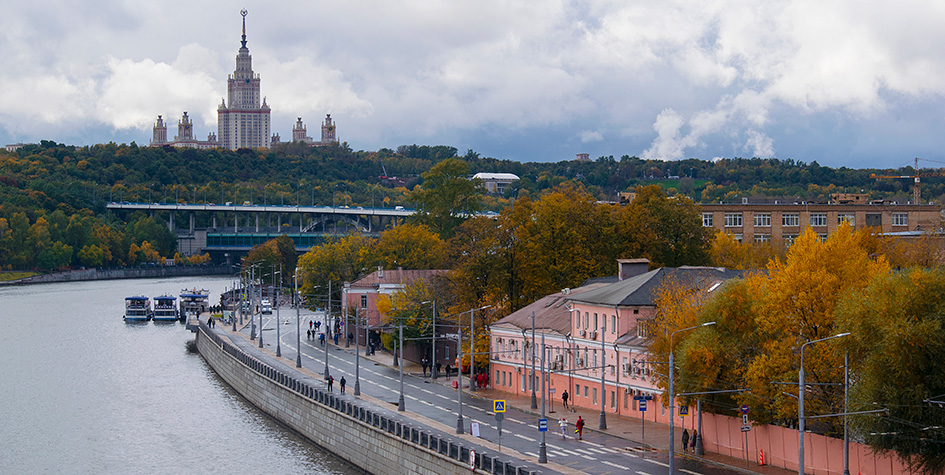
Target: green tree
337,261
896,352
91,256
56,256
447,197
666,230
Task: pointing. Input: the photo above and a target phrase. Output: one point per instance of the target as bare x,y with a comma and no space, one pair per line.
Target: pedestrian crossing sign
498,405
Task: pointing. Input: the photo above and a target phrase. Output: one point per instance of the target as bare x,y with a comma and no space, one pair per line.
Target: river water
83,392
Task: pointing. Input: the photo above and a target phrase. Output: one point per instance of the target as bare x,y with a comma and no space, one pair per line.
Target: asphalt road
597,453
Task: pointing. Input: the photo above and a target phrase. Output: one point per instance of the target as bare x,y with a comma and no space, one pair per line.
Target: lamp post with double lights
357,353
298,321
800,403
278,322
672,396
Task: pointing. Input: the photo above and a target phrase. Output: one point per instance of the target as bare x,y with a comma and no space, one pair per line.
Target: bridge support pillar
257,222
191,222
170,221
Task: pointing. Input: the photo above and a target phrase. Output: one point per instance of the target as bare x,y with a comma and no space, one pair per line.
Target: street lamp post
357,353
278,321
298,321
531,379
542,447
327,339
459,381
672,396
400,349
800,403
603,373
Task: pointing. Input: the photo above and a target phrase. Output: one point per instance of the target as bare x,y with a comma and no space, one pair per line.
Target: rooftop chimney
627,268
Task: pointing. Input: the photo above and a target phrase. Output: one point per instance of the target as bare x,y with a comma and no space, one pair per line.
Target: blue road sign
643,405
543,425
683,410
498,405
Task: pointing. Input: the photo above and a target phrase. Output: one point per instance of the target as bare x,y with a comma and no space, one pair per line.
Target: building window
733,220
818,219
738,237
848,218
762,220
585,319
594,397
900,219
762,238
364,301
789,238
585,391
707,220
790,219
613,324
643,327
613,399
822,237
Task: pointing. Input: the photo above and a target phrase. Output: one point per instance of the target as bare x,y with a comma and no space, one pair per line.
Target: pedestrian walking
563,424
685,440
564,398
423,365
321,339
579,428
438,367
447,371
692,444
311,324
342,383
330,380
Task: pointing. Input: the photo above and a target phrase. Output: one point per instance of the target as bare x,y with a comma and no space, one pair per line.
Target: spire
244,12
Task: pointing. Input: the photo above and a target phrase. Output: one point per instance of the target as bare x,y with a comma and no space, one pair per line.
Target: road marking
520,436
657,462
593,444
689,471
641,472
621,467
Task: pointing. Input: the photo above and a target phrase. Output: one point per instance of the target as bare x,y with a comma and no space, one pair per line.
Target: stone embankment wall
125,273
352,430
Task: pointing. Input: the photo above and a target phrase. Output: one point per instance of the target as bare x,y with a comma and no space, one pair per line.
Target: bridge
232,229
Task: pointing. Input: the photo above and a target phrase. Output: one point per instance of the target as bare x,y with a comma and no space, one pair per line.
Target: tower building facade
242,122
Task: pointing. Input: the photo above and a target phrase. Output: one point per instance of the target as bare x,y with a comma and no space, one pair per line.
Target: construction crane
916,195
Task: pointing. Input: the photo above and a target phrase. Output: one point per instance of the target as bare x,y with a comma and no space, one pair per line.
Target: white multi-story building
243,117
244,123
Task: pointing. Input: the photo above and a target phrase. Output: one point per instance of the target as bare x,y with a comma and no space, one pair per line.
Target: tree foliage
896,352
447,196
764,319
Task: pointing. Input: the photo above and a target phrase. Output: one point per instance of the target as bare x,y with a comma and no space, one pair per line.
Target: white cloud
588,136
673,78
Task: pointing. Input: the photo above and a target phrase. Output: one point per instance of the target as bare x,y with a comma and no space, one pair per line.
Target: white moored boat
194,301
137,309
165,309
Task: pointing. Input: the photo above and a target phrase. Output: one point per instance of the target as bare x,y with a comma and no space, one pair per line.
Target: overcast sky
844,83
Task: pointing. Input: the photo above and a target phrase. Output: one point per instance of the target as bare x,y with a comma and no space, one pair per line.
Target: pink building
594,332
362,295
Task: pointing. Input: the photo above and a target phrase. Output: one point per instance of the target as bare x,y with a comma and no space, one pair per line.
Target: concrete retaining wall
125,273
355,431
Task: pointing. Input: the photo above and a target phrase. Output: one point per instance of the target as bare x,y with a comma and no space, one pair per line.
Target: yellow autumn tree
763,320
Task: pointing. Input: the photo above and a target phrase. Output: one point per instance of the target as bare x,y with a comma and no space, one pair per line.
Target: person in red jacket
579,428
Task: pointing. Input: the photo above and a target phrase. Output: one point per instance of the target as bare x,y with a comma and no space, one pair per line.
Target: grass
7,276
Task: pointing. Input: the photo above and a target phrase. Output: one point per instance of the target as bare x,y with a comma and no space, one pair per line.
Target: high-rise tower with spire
241,121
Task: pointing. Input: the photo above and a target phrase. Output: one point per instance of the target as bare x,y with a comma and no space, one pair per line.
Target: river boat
137,309
165,309
193,301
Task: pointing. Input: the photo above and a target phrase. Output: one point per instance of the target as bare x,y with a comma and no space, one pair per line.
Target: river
84,392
